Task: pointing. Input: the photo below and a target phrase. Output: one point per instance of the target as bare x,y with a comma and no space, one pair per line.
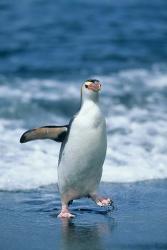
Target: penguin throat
92,98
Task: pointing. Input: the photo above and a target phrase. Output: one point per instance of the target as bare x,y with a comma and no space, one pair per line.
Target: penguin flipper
56,133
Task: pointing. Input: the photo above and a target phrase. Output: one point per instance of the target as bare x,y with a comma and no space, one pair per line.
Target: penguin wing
56,133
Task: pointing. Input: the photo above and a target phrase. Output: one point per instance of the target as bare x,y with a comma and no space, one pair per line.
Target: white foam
45,89
26,166
136,135
137,154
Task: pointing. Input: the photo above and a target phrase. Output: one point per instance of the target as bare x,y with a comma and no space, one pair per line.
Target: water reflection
88,234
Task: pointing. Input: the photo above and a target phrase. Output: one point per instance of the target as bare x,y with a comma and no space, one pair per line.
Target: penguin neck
87,100
89,104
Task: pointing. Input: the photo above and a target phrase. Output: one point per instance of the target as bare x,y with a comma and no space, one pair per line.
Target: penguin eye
86,86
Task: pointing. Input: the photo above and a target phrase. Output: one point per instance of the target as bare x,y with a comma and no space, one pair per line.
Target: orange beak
94,86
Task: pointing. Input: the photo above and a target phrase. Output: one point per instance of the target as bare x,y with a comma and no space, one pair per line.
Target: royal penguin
82,152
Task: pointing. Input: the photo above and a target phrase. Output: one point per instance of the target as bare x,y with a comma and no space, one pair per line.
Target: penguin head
90,89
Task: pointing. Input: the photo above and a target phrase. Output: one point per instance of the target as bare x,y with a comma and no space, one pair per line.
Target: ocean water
28,220
47,50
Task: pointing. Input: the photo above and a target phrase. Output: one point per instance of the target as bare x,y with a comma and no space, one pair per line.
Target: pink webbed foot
103,202
65,213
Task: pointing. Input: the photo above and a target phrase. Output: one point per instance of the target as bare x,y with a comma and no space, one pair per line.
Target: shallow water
29,220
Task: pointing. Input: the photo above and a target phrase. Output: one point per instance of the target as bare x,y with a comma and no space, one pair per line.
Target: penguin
83,149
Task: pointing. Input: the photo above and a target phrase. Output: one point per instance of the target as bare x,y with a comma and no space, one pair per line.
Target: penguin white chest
83,155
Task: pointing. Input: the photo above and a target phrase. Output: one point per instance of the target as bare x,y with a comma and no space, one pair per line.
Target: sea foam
134,103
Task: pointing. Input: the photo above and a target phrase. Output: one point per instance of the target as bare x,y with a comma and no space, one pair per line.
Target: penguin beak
94,86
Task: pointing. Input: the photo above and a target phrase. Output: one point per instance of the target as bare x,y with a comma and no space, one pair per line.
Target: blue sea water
47,50
29,220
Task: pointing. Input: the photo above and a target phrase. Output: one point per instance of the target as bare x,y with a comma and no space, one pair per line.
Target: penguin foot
103,202
65,215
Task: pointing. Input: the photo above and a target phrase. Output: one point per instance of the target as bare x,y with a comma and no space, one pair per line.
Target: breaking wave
134,103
